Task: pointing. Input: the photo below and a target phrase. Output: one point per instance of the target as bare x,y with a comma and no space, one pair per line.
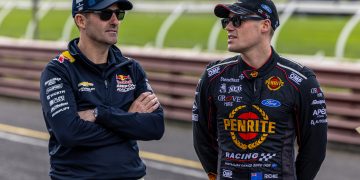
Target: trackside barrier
174,76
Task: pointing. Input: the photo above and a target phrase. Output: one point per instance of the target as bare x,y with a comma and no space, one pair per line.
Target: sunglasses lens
236,20
225,22
120,15
106,14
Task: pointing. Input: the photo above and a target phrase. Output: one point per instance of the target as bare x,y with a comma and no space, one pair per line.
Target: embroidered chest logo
274,83
124,83
86,86
248,130
254,74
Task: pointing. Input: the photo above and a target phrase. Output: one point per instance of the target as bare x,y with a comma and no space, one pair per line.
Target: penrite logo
248,129
274,83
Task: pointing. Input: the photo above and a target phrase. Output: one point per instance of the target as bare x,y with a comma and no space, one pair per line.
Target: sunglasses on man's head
237,20
106,14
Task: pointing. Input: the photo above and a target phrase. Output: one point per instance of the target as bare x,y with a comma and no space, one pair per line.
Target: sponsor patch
266,8
317,102
222,88
271,103
57,106
222,79
236,89
247,129
60,110
316,91
86,86
195,117
248,157
254,74
213,71
256,176
271,176
318,121
295,78
124,83
53,88
227,173
224,98
241,76
57,100
274,83
319,112
65,56
52,81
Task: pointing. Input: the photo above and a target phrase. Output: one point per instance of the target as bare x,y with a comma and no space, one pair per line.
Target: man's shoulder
63,57
293,66
295,71
215,67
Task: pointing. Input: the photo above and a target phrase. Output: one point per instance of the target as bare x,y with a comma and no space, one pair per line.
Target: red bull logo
124,83
122,77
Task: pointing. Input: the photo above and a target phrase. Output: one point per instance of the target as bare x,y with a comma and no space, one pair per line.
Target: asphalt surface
26,158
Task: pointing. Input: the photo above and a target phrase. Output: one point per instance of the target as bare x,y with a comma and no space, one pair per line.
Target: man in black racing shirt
249,109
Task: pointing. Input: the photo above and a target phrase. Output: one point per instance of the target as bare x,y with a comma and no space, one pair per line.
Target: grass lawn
51,26
352,49
190,30
15,23
140,28
310,35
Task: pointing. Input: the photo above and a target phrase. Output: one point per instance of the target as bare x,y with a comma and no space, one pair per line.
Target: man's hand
87,115
147,102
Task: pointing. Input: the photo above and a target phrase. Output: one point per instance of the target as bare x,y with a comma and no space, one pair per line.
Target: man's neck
95,52
257,57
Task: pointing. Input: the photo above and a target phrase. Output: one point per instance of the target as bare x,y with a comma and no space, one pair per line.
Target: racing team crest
248,129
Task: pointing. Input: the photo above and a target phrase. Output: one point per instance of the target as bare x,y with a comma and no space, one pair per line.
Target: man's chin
112,42
232,49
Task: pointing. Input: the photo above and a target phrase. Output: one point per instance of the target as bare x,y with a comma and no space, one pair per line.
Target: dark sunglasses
236,20
106,14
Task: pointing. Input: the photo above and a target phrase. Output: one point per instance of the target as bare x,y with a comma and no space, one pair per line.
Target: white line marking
151,164
23,139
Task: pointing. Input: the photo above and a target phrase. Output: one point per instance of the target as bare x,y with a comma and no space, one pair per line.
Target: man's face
103,31
244,37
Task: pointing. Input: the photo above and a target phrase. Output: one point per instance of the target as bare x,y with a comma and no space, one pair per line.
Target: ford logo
267,8
271,103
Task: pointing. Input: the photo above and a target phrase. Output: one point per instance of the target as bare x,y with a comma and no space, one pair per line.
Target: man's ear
80,20
266,25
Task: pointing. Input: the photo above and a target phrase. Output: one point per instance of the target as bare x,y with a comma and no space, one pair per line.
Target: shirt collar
252,73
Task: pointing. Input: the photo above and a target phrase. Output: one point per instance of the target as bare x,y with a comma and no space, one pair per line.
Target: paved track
26,158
